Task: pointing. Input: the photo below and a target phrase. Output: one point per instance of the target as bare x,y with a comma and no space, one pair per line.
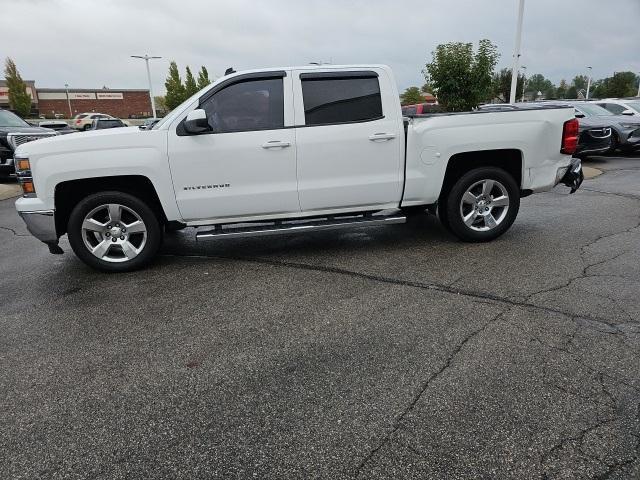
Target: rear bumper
42,225
573,176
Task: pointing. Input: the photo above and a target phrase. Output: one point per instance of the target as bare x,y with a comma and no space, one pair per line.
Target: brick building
122,103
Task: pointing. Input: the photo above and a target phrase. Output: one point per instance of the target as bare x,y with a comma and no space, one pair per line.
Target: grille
17,139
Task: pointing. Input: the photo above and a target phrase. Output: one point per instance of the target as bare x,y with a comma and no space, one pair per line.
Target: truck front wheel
482,204
114,232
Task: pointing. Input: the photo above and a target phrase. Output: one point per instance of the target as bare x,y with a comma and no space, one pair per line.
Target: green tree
19,99
176,93
190,85
426,88
561,91
538,83
572,92
203,78
580,82
411,96
501,85
622,84
460,78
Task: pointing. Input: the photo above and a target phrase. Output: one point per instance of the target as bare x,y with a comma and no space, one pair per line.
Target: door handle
276,144
382,136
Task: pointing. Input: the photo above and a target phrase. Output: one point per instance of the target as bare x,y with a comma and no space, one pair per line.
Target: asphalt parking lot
391,352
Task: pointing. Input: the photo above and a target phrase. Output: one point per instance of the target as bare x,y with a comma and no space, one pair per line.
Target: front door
246,165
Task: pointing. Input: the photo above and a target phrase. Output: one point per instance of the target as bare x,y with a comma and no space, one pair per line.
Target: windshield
591,110
8,119
634,105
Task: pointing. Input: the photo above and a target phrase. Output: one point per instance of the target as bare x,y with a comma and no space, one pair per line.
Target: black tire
442,213
152,242
86,127
614,143
506,214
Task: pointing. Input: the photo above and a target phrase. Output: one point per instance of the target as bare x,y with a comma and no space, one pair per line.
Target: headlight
23,172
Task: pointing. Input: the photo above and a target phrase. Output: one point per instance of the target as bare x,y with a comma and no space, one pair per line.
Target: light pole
66,89
516,54
524,81
589,82
638,88
146,58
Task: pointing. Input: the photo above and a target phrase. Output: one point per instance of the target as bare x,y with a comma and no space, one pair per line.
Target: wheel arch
67,194
509,160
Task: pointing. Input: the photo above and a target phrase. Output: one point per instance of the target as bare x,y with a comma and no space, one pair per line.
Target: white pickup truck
289,150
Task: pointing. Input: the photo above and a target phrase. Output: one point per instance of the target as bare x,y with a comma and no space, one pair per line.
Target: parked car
59,126
347,157
83,121
595,137
103,123
620,106
625,129
14,131
149,123
420,109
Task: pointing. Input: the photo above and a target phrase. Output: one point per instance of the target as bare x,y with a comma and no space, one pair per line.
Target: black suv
13,132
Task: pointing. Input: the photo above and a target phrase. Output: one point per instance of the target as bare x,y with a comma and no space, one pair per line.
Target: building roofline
92,90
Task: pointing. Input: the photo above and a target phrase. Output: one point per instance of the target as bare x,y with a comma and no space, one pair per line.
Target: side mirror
579,115
196,122
628,112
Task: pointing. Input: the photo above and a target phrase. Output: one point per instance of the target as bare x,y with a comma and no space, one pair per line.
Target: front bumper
42,225
573,176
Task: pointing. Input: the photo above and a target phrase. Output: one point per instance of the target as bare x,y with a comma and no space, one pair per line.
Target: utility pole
66,88
589,82
146,58
638,89
524,81
516,54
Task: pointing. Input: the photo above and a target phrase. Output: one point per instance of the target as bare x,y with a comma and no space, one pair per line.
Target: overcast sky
87,43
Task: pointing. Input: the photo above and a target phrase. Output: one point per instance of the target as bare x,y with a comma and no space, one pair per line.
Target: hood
92,140
26,129
611,119
588,123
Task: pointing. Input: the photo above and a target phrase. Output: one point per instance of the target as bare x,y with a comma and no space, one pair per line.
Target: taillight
570,132
78,122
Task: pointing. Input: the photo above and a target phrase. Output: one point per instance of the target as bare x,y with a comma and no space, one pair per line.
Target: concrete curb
590,172
9,190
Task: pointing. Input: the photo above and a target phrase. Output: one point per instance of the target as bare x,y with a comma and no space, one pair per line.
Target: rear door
349,140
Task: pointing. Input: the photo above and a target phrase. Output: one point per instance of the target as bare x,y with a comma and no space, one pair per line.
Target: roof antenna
229,71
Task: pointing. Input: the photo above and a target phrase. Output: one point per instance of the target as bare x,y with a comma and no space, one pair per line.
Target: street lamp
516,54
638,88
524,81
589,82
66,89
146,58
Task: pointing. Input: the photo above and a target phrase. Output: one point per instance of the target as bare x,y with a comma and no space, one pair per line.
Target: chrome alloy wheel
484,205
114,233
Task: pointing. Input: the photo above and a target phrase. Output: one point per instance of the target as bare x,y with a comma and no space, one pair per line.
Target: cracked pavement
391,352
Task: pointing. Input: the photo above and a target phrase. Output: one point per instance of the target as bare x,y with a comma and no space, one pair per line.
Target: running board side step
300,226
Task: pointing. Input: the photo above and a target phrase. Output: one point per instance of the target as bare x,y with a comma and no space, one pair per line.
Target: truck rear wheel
482,204
114,232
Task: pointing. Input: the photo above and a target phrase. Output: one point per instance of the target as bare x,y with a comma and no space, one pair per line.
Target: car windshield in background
592,110
8,119
634,105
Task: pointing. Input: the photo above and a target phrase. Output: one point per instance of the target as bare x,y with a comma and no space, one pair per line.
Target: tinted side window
615,108
246,106
340,100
